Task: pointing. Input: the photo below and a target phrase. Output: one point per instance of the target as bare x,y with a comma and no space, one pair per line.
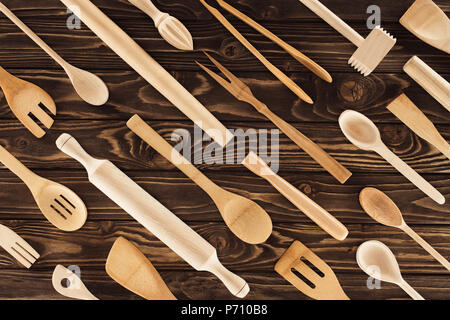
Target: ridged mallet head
372,51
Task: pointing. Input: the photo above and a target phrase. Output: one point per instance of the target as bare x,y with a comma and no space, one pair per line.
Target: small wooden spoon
88,86
364,134
131,269
382,209
378,261
245,218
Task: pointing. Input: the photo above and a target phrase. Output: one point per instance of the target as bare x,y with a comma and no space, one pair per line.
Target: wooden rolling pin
126,48
155,217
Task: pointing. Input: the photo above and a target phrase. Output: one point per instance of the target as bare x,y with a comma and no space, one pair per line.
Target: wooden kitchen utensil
410,114
88,86
311,209
383,210
243,93
371,50
74,288
16,246
60,205
245,218
378,261
131,269
170,28
429,79
300,57
429,23
317,280
25,99
155,217
136,57
364,134
275,71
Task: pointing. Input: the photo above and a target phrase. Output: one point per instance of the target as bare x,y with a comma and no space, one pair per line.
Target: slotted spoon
60,205
17,247
25,99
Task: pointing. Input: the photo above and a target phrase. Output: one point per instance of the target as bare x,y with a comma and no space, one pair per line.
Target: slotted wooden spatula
131,269
319,281
26,99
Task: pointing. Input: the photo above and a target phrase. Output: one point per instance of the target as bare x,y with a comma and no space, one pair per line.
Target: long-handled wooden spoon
378,261
300,57
88,86
60,205
383,210
364,134
245,218
410,114
130,268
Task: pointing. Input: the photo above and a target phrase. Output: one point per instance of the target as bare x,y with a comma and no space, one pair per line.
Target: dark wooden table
103,132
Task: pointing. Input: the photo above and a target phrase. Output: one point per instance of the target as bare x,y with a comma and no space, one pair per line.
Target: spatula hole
63,206
312,267
66,200
58,212
65,283
301,277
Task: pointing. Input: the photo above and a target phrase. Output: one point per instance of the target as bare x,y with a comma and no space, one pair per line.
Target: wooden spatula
130,268
317,279
414,118
429,23
26,99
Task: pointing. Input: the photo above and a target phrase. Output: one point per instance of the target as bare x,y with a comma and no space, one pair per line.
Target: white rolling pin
136,57
155,217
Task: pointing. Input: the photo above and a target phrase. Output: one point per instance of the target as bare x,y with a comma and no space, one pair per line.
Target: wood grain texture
103,132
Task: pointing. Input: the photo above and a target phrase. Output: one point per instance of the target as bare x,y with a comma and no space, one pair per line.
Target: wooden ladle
245,218
378,261
383,210
364,134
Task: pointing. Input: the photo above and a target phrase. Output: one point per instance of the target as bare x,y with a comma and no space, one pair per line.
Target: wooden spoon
364,134
130,268
60,205
382,209
245,218
378,261
88,86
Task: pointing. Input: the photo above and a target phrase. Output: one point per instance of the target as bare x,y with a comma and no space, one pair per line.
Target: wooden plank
89,246
192,204
202,286
130,94
280,10
317,40
112,140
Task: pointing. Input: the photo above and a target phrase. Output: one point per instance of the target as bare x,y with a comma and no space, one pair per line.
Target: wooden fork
25,99
243,93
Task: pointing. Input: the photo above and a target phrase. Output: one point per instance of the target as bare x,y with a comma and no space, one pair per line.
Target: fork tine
28,248
32,126
225,71
216,77
17,254
42,116
48,103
